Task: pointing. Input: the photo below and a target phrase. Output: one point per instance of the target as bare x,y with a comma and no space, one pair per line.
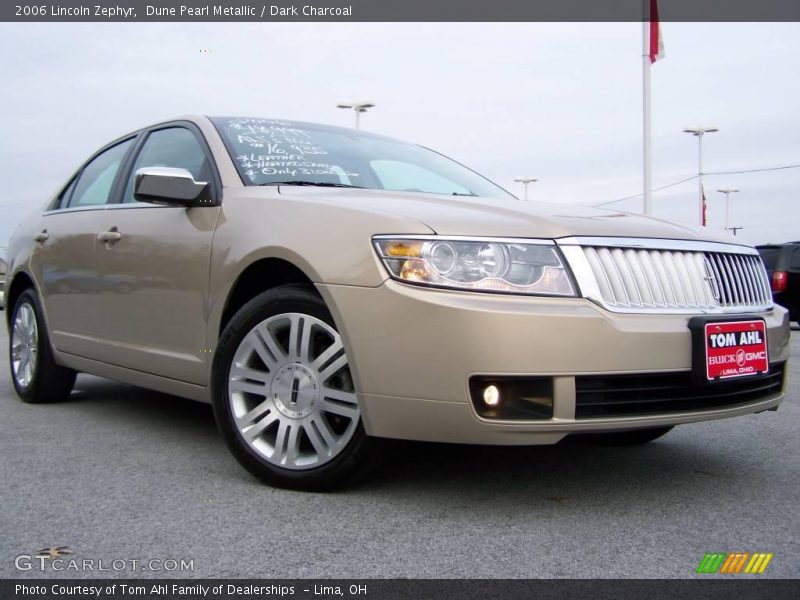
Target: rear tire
36,376
634,437
283,396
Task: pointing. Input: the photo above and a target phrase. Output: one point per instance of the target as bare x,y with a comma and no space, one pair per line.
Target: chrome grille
637,279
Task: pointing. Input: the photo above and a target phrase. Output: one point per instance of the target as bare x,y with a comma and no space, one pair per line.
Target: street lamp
727,192
358,107
525,181
698,132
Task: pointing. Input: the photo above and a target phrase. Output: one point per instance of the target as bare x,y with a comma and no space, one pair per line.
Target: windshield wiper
314,183
467,194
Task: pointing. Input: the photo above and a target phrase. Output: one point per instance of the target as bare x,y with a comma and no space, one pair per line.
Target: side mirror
167,185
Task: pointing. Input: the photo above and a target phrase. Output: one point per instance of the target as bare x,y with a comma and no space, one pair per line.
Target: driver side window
175,147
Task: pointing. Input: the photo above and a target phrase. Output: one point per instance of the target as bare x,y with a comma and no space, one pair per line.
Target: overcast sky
560,102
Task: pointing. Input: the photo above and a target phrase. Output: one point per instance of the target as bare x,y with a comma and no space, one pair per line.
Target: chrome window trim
116,206
657,244
59,211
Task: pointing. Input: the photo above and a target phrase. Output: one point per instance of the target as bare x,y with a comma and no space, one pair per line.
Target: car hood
474,216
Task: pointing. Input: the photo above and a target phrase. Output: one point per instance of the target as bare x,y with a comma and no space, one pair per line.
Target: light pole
727,192
525,181
698,132
358,107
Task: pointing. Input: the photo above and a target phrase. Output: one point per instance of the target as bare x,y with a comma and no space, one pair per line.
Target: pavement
120,473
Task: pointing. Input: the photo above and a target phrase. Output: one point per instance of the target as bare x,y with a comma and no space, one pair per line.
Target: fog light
512,397
491,395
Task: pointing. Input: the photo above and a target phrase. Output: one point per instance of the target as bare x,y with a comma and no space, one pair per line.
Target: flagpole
700,180
646,154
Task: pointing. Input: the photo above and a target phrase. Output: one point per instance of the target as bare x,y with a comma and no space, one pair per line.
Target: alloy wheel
291,393
24,345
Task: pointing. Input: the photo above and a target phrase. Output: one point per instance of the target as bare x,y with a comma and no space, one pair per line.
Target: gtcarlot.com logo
59,558
735,563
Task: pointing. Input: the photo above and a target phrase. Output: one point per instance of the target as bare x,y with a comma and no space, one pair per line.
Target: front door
153,266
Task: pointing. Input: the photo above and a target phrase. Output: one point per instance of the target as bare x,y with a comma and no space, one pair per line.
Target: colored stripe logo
735,563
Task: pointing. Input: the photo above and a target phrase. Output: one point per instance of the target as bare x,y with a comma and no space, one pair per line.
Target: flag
656,46
704,217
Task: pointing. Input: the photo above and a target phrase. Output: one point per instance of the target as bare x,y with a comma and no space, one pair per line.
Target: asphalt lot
122,473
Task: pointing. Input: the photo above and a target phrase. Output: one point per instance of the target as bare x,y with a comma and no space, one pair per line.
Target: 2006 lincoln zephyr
324,288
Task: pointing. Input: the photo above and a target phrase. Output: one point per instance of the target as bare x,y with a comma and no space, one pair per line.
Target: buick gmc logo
741,359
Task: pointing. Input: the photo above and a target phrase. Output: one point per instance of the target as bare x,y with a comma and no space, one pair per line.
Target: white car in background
3,270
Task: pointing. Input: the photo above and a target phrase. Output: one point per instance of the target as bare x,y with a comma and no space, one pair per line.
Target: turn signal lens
403,248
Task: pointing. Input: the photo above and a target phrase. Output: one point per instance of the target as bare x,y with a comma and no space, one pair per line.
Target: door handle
109,237
41,237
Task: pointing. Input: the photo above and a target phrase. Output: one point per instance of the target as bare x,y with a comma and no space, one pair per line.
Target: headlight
474,264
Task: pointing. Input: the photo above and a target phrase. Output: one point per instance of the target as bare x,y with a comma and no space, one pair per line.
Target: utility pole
358,108
727,192
525,181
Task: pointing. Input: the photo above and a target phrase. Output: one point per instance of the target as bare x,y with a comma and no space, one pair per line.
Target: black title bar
396,10
744,588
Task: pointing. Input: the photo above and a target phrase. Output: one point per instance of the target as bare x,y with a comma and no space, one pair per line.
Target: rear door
63,261
152,297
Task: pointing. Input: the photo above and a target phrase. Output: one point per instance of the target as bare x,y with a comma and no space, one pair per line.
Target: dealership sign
735,349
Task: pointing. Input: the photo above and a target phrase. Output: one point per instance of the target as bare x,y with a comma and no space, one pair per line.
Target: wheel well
261,276
20,283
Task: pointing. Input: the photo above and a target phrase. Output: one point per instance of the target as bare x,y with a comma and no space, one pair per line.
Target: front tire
36,376
283,394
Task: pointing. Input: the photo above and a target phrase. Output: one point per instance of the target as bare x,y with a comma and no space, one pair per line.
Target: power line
669,185
752,170
658,189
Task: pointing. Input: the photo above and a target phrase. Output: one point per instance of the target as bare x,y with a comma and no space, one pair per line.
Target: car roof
776,245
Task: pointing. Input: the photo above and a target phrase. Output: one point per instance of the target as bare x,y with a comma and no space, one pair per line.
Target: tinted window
269,152
770,257
95,181
63,199
795,263
174,147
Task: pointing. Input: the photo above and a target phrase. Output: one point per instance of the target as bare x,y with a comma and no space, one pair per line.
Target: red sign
736,349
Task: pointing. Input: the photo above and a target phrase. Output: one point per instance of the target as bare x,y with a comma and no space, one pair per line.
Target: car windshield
272,152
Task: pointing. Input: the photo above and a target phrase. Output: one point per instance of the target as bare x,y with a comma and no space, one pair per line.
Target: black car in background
783,265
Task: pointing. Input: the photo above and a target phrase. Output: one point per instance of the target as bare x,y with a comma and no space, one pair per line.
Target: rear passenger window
174,147
94,184
63,199
795,264
770,257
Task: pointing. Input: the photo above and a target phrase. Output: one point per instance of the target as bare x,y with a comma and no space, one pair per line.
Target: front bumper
412,351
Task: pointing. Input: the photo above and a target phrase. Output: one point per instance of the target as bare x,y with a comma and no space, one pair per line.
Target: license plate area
730,348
